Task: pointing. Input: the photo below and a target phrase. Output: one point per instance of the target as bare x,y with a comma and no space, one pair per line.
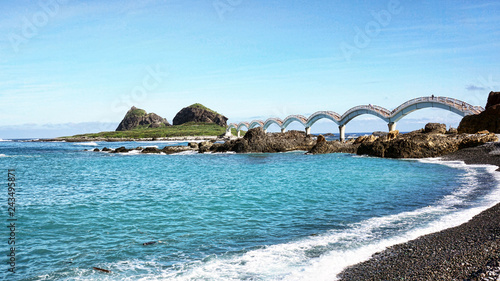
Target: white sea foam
187,152
4,140
337,248
91,143
290,262
3,155
131,152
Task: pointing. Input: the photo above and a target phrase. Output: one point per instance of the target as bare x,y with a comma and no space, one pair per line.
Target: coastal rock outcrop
435,128
429,142
199,113
489,119
137,117
255,140
419,144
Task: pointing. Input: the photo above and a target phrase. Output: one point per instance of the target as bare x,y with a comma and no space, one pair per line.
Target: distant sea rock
487,120
136,117
199,114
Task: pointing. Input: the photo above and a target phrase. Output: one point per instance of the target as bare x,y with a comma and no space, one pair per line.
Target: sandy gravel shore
470,251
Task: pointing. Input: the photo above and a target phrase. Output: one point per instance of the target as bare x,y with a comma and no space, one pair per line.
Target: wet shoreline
470,251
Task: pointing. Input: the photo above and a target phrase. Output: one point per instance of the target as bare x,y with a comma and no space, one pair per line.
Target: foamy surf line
334,250
91,143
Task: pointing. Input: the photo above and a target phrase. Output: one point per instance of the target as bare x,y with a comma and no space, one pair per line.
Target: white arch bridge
391,117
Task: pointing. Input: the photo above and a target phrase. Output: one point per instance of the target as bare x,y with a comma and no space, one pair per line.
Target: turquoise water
286,216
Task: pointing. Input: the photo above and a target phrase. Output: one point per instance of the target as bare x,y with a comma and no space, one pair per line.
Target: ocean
283,216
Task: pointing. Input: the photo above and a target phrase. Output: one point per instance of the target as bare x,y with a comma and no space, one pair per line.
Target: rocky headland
199,113
488,120
137,117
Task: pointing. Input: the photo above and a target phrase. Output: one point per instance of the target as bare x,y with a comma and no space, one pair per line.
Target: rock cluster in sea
256,140
199,113
421,144
488,120
432,141
137,117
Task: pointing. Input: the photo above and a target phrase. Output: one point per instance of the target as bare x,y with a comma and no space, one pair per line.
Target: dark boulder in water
150,150
121,149
255,140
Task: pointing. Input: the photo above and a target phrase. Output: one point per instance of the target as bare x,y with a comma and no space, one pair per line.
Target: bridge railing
466,108
332,114
382,111
410,102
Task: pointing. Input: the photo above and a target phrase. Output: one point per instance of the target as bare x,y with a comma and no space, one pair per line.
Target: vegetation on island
184,130
201,106
137,112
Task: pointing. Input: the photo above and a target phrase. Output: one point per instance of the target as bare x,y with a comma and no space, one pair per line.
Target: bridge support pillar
239,133
265,131
229,133
392,126
283,130
308,131
342,132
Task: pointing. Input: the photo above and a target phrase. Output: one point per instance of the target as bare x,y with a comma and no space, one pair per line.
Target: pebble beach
470,251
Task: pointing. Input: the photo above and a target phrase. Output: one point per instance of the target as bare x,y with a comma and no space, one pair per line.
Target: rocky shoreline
470,251
187,138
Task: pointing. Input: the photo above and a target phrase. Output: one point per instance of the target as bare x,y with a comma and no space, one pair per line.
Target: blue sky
71,62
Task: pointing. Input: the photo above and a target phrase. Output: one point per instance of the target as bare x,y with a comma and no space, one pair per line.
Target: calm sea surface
286,216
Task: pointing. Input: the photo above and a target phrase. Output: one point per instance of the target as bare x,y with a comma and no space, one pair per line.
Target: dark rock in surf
255,140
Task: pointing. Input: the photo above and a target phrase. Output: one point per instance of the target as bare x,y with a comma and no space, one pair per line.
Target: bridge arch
356,111
294,118
453,105
271,121
243,125
391,117
330,115
256,123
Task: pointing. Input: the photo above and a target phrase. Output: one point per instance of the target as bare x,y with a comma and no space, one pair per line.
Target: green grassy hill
184,130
